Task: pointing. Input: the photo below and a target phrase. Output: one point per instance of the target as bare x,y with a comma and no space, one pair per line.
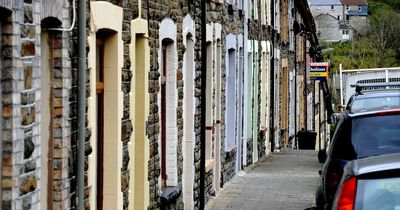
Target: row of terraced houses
143,104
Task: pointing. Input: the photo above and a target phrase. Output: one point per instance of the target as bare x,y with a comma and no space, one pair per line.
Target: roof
354,2
376,164
323,2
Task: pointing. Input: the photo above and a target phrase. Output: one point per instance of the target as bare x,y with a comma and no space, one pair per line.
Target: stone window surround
255,87
264,85
112,98
277,18
268,12
240,95
139,112
217,110
255,12
229,138
168,30
209,97
189,108
263,12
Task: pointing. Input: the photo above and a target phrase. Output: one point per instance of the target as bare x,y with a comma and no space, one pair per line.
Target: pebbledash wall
35,85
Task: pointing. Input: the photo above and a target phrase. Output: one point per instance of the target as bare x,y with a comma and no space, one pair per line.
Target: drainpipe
272,75
295,81
203,105
81,101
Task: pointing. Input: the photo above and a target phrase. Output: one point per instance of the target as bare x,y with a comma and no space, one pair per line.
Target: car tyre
319,198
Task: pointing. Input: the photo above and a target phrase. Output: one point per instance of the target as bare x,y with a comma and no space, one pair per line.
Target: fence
351,77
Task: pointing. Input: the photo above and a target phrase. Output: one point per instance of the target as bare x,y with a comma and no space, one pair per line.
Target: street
286,180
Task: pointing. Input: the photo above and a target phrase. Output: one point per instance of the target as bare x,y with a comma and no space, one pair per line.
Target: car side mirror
322,156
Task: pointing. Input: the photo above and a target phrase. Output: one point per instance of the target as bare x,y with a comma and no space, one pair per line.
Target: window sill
209,164
170,195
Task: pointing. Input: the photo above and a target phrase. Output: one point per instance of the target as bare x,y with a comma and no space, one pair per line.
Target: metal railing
351,77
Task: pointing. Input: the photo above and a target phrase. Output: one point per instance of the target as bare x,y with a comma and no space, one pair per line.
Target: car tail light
347,195
389,112
332,180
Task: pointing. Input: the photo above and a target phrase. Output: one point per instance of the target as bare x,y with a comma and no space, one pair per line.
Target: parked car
374,96
370,183
357,135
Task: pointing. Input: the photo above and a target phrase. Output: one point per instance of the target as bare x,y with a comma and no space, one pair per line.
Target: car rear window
375,103
376,135
383,194
367,136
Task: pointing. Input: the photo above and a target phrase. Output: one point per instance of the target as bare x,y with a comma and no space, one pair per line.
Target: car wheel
319,198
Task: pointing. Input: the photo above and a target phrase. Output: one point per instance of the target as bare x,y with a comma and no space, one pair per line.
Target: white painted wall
189,103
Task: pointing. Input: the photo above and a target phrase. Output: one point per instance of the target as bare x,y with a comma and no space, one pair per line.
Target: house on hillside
339,20
355,13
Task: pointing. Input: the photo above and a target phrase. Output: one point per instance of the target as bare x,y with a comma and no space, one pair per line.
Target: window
168,97
100,116
338,17
164,115
209,103
332,7
230,99
106,106
230,87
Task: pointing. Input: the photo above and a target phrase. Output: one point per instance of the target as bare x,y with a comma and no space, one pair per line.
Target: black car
357,135
379,96
370,183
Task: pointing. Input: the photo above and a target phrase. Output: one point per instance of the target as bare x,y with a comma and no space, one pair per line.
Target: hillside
379,47
375,5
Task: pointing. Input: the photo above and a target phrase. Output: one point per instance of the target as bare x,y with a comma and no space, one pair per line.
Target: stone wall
22,114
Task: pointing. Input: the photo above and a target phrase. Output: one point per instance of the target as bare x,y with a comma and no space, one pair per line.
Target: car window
342,147
376,135
383,194
375,103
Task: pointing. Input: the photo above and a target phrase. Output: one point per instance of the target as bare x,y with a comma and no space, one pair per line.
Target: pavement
286,180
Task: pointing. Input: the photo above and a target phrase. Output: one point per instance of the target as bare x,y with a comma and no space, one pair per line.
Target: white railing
349,77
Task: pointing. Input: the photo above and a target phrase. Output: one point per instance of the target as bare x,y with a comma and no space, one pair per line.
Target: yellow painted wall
139,111
113,105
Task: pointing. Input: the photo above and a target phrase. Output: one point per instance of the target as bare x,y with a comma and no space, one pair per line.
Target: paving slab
286,180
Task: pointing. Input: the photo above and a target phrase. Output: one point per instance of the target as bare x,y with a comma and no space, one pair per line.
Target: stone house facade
143,98
339,20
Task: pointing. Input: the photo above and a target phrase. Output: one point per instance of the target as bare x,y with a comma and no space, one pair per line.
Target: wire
73,20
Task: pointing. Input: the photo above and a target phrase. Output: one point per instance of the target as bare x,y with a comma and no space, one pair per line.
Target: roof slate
354,2
323,2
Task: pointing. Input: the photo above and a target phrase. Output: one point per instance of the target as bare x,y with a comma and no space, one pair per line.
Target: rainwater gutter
81,102
203,104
